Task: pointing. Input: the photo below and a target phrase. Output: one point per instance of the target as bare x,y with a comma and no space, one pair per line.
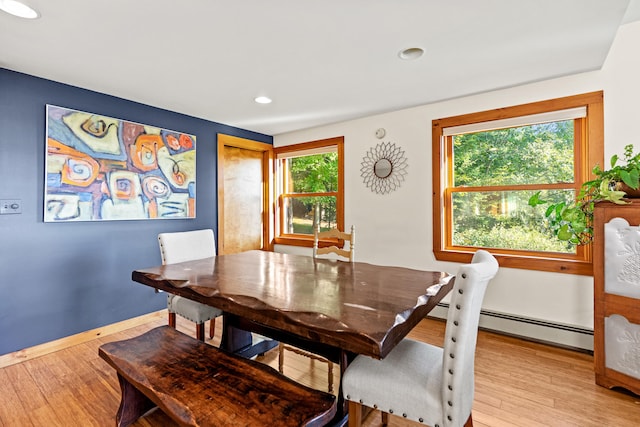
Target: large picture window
486,167
310,190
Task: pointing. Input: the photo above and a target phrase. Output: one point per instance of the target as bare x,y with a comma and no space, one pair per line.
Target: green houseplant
573,222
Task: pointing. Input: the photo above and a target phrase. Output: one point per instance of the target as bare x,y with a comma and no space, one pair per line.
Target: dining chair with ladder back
340,238
421,382
334,233
188,246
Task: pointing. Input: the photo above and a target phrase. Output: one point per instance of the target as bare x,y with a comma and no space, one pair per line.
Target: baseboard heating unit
569,336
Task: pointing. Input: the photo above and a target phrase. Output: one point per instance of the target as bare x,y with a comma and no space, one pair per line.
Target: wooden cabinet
616,274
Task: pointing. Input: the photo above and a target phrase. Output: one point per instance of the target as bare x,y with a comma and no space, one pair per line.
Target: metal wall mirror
384,168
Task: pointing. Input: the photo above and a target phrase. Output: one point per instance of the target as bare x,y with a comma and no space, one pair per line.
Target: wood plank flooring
518,383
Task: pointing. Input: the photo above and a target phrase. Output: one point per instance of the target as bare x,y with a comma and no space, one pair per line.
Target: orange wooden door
244,200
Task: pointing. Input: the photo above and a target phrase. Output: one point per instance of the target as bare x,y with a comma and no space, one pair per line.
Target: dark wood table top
358,307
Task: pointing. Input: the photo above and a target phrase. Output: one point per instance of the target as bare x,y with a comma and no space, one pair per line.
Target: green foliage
479,223
509,238
541,154
573,222
629,173
535,154
316,173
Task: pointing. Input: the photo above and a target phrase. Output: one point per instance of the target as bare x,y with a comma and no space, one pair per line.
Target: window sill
292,240
306,241
526,262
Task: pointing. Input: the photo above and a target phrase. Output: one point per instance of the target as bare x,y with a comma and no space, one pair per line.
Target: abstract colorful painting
101,168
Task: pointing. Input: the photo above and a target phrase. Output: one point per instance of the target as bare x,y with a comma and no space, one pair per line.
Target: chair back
461,334
186,245
333,249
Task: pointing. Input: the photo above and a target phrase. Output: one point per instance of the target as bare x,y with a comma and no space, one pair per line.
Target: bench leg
133,404
212,327
200,331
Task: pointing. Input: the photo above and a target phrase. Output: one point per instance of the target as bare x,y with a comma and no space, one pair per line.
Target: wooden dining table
333,308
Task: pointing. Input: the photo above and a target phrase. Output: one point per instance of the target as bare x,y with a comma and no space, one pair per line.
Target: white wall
396,228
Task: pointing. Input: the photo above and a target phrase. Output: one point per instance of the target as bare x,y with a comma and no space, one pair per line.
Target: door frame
268,208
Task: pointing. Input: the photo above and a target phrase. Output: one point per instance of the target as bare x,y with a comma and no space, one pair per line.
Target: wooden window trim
299,239
588,153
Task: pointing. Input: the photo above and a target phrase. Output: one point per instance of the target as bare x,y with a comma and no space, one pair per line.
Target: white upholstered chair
319,251
421,382
187,246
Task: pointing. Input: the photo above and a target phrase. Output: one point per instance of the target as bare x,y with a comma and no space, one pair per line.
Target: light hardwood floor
518,383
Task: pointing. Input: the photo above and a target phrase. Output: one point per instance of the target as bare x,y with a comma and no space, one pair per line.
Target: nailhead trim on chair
454,339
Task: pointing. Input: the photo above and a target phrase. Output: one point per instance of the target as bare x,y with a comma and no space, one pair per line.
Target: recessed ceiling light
18,9
411,53
263,100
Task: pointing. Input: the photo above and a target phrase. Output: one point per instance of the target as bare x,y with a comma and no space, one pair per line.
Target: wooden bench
199,385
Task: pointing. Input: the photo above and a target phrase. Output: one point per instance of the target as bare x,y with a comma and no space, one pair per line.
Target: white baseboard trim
574,337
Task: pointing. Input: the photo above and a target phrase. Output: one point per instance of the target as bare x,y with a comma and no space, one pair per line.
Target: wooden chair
318,251
186,246
421,382
333,249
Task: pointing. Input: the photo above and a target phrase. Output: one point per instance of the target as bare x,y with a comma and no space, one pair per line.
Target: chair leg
469,422
355,414
280,357
282,348
212,327
172,320
200,331
385,418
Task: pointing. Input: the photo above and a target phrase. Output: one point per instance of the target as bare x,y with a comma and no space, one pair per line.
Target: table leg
240,341
233,340
342,414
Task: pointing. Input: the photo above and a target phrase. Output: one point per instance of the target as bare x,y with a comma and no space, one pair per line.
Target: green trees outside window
309,190
313,174
493,175
487,165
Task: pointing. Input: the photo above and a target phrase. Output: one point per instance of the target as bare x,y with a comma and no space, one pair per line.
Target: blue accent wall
59,279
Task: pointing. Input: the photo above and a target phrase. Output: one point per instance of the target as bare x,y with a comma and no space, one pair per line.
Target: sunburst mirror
384,168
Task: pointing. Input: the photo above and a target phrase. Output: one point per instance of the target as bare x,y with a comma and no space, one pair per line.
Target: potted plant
573,222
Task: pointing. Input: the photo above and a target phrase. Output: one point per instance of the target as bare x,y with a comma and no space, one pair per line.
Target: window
309,190
486,166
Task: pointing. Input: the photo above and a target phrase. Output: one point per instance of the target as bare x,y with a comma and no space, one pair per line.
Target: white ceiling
321,61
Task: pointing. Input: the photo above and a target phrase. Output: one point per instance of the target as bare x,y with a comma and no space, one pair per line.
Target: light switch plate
10,206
